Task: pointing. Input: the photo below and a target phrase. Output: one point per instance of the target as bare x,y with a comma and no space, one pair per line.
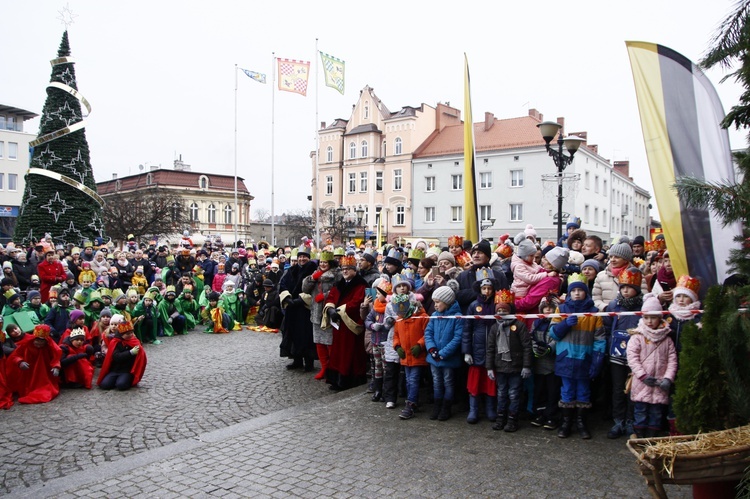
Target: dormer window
149,179
366,111
203,182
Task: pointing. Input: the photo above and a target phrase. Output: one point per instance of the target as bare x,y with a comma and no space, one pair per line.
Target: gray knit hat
622,250
592,263
445,255
444,294
558,257
526,248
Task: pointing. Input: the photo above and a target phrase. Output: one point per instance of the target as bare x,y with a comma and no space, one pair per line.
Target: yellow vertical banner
471,222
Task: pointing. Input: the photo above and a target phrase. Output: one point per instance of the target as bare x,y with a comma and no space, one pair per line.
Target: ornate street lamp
549,129
486,224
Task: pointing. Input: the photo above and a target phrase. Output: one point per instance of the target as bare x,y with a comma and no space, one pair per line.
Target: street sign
565,216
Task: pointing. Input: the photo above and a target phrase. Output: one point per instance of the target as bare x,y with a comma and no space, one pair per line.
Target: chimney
623,167
593,148
561,122
179,166
536,114
489,120
114,176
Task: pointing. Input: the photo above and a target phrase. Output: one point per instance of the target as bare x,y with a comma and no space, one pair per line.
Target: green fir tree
49,205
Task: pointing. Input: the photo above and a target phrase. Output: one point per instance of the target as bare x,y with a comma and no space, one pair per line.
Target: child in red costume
35,367
76,366
125,361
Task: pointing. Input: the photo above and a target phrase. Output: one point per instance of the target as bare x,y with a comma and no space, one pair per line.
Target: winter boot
617,430
445,412
567,423
539,420
437,408
296,364
629,430
581,423
309,362
491,408
324,358
502,418
512,424
377,384
473,416
408,411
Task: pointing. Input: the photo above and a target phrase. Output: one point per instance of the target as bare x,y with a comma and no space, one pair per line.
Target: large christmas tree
60,196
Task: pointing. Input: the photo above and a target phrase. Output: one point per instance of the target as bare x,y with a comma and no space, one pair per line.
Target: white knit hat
444,294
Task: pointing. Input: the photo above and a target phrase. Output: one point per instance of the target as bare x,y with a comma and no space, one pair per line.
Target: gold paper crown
41,331
505,296
385,286
660,244
348,261
339,251
125,327
648,246
455,241
77,332
326,256
504,251
132,292
416,254
631,277
483,273
576,277
187,289
9,294
690,283
170,289
151,295
462,259
105,292
79,297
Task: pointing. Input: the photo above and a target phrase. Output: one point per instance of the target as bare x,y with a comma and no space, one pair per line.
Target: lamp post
549,129
486,224
344,221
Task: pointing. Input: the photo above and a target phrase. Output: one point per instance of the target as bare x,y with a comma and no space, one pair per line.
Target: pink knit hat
651,304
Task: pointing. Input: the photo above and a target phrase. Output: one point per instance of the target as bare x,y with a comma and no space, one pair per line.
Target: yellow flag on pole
471,222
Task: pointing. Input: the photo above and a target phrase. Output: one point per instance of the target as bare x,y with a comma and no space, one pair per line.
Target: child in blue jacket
442,339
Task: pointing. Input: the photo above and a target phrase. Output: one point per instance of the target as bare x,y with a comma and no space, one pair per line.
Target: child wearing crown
456,248
508,361
125,362
77,370
34,367
581,342
629,299
170,317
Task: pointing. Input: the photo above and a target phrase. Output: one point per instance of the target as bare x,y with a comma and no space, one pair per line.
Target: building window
329,154
12,124
516,212
485,212
400,215
352,150
596,216
2,122
397,146
604,187
227,214
211,213
457,213
362,181
2,177
366,113
203,183
2,149
429,184
193,212
364,148
604,218
485,180
329,185
149,179
397,177
457,182
352,182
118,185
12,150
586,214
383,155
516,178
429,214
596,185
586,180
12,182
378,181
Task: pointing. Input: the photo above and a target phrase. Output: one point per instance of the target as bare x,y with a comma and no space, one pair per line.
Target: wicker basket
728,464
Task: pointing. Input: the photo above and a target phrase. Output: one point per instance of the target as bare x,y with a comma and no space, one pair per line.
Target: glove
316,275
399,351
650,381
89,350
491,374
55,372
597,360
665,384
572,320
525,373
319,297
389,322
416,350
468,359
24,366
540,349
377,327
434,353
169,321
335,317
135,350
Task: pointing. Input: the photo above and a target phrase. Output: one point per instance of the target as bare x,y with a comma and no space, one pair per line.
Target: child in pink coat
653,359
526,272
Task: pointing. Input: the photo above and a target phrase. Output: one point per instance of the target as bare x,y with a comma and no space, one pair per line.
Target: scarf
630,304
503,339
616,271
663,276
684,313
379,306
653,335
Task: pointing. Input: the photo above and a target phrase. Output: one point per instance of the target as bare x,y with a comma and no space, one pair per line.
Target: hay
667,450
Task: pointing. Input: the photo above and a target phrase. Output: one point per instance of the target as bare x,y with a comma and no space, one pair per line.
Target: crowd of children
404,309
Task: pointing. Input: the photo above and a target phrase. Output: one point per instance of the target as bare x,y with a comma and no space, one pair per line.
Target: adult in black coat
23,270
297,338
480,256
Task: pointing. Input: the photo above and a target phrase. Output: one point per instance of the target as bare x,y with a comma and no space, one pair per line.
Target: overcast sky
160,75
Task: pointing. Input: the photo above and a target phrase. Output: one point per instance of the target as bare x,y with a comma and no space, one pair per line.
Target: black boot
445,412
309,364
581,423
512,424
437,408
377,385
567,423
502,418
296,364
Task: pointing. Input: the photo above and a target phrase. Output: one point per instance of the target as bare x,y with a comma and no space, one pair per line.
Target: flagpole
316,191
273,128
236,211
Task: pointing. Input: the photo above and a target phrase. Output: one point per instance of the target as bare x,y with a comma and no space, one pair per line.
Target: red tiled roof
172,178
509,133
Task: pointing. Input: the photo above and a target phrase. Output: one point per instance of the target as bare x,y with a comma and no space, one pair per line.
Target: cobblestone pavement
219,416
